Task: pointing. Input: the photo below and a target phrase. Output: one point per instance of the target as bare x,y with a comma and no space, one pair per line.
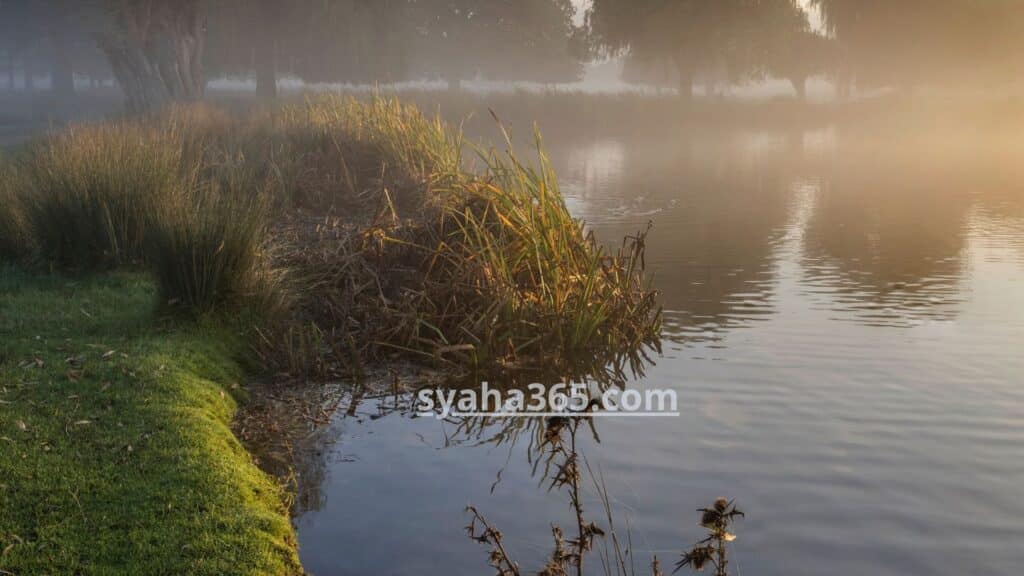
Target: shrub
91,190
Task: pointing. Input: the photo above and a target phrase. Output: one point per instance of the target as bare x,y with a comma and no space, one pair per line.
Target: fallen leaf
34,363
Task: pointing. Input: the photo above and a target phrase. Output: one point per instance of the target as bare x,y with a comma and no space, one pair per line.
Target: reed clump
333,155
491,271
89,192
206,248
168,192
14,237
354,226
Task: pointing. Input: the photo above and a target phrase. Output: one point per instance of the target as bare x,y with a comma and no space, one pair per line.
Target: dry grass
382,241
90,191
14,237
490,271
206,247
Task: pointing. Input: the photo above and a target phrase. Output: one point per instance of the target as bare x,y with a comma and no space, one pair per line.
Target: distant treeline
862,43
165,50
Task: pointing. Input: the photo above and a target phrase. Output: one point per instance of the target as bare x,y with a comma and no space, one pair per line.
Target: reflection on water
885,246
713,201
845,311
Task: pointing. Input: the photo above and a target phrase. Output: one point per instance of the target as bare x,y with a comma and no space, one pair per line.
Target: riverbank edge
118,453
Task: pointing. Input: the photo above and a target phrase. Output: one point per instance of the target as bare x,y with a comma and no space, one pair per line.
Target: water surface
844,327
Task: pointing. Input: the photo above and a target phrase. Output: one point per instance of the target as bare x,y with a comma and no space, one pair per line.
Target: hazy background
145,53
836,194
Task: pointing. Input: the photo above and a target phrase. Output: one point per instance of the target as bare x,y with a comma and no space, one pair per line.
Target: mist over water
836,202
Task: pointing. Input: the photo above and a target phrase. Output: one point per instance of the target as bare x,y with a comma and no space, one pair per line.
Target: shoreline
120,450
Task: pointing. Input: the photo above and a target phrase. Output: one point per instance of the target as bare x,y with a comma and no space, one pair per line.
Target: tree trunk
155,48
685,81
10,72
62,75
800,87
454,83
266,71
266,50
28,66
843,84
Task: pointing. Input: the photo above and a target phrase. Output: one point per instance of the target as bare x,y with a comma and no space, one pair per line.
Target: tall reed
509,234
205,244
488,269
396,246
340,150
90,192
15,241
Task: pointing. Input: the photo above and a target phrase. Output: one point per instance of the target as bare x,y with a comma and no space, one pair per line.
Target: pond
844,321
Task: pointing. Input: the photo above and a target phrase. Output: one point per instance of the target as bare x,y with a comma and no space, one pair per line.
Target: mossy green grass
116,452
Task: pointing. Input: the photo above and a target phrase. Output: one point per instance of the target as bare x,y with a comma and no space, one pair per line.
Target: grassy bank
116,453
351,232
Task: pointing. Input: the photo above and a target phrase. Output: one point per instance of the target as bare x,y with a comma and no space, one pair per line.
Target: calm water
845,321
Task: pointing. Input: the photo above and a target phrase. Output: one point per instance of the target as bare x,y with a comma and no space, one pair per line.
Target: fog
831,194
145,54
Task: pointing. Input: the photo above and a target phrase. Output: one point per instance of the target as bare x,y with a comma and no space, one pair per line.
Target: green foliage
118,456
695,35
523,40
389,40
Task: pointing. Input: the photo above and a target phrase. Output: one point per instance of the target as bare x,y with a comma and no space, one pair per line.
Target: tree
316,40
498,39
57,34
792,50
349,40
155,49
913,42
20,33
736,36
268,14
244,36
806,55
